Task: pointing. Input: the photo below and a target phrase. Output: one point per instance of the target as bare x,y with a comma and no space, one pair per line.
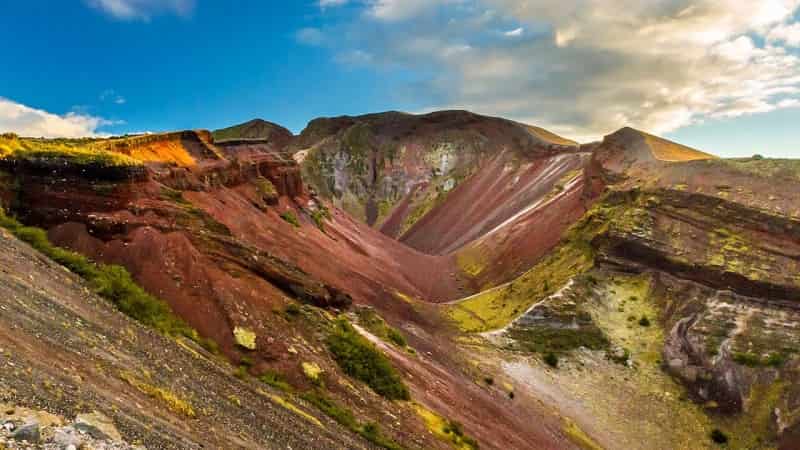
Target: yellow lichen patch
665,150
444,429
168,398
293,408
470,261
404,297
496,308
312,371
578,437
626,304
245,338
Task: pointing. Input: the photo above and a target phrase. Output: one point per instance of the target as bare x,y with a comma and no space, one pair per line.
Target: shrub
362,361
551,359
758,157
291,218
644,321
719,437
488,380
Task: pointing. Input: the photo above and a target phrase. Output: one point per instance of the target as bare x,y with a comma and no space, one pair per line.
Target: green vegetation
361,360
345,417
559,340
644,321
753,360
276,380
291,218
111,282
372,322
551,360
446,430
76,151
266,190
319,216
766,167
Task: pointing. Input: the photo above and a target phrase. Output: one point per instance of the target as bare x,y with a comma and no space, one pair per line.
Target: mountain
255,129
457,279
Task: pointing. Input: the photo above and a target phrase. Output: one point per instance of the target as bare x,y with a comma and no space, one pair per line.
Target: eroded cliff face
630,293
683,271
228,235
390,169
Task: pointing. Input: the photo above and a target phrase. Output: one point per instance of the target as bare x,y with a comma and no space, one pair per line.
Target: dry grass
665,150
79,152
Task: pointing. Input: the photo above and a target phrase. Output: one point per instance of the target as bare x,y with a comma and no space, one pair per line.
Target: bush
551,359
644,321
719,437
362,361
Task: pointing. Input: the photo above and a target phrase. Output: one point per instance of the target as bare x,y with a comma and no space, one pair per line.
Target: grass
557,341
446,430
753,360
78,152
372,322
290,217
360,359
112,282
369,431
276,380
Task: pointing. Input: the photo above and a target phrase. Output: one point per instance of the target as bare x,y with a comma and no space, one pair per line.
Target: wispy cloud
329,3
577,68
26,121
142,9
109,95
310,36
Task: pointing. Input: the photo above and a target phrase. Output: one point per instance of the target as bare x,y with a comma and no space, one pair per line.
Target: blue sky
115,66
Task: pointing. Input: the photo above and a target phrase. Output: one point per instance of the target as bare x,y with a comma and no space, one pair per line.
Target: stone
98,426
66,437
245,338
28,433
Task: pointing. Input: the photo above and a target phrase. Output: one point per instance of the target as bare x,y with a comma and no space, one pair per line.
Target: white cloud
110,95
396,10
142,9
788,34
590,66
27,121
329,3
310,36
